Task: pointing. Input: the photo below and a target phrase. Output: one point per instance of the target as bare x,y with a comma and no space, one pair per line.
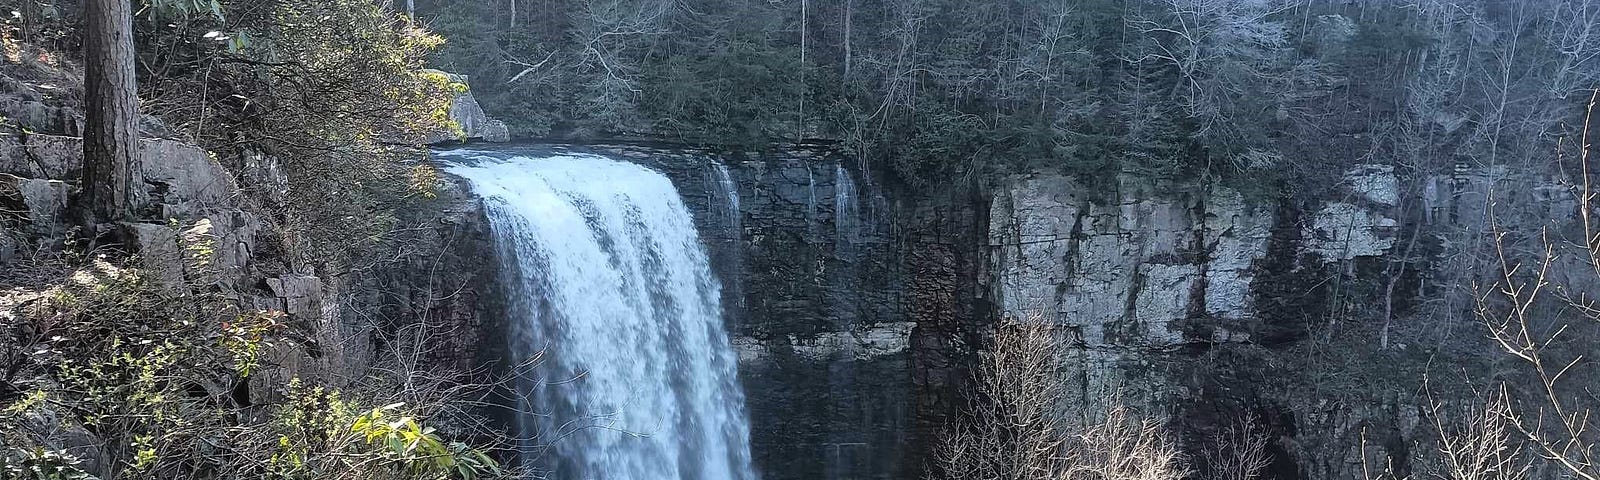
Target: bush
151,382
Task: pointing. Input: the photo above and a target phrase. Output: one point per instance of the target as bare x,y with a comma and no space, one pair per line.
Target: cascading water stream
603,271
730,192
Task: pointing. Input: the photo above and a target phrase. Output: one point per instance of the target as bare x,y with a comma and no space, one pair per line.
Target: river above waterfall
607,284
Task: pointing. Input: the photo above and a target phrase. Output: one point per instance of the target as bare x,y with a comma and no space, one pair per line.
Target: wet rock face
814,288
858,311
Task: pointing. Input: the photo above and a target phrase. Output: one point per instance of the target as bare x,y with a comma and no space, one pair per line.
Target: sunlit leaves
182,8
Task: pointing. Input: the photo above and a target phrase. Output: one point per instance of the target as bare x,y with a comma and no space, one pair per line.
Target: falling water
811,202
730,192
729,189
846,208
845,302
603,269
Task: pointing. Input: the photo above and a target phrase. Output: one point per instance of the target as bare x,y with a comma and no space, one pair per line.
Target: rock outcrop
469,115
858,311
1124,271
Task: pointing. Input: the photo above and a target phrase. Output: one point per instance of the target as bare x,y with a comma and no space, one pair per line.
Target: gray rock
496,131
265,178
8,244
55,431
301,295
41,156
1359,224
183,180
469,115
228,238
152,127
40,204
160,255
1123,272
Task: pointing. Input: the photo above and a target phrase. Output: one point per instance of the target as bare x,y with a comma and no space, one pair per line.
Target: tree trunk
849,11
111,112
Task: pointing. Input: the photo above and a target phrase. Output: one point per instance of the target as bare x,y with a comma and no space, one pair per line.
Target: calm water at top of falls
602,270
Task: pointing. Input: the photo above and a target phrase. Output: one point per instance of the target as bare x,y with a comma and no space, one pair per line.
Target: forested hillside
186,188
796,239
943,89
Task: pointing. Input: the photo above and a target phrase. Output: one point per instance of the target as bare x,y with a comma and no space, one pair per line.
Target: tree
1542,318
1018,429
110,135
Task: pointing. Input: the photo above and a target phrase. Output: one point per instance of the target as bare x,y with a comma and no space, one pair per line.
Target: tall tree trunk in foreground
111,117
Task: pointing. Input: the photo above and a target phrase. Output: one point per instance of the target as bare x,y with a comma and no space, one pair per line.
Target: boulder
39,204
159,253
474,122
182,180
40,156
496,131
224,241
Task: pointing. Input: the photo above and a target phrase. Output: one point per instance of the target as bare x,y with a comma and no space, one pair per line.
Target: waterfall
811,202
846,208
730,192
603,271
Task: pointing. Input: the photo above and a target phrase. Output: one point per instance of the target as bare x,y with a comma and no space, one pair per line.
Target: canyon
856,307
857,310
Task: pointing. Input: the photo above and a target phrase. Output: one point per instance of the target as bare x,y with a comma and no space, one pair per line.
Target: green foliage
40,464
331,90
418,449
319,434
182,8
150,375
120,357
1251,92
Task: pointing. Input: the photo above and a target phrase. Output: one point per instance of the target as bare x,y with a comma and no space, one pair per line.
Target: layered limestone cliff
1316,317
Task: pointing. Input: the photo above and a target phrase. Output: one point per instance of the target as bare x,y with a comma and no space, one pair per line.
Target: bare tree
1526,312
1237,452
1482,446
1575,36
1217,47
1018,430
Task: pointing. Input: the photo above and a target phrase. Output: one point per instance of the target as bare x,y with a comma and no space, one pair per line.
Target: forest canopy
945,89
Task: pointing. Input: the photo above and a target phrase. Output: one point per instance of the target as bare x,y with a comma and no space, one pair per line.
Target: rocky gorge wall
827,294
198,225
858,310
1318,318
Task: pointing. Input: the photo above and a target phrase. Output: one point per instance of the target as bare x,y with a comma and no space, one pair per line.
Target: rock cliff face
470,117
195,228
851,310
858,310
1307,315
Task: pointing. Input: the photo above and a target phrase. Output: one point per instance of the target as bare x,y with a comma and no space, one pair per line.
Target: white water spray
601,265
